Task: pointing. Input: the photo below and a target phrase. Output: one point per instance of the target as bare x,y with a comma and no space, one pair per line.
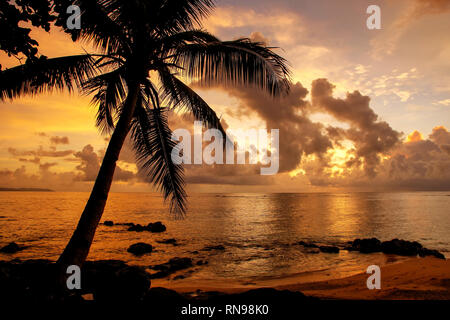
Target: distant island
27,189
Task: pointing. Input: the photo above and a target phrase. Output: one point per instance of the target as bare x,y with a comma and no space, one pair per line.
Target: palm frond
177,15
109,91
171,42
230,63
153,144
177,94
99,26
45,75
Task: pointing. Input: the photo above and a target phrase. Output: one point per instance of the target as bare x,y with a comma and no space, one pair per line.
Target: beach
413,279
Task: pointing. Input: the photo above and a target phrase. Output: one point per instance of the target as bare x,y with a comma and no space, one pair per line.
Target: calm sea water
257,230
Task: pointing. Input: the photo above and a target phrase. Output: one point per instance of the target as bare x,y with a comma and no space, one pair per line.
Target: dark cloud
298,134
218,174
46,166
40,152
59,140
90,165
371,138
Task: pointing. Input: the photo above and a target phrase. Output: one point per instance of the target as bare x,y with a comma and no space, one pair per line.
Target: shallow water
257,230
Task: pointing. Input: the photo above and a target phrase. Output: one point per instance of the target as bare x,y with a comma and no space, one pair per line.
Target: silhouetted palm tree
144,45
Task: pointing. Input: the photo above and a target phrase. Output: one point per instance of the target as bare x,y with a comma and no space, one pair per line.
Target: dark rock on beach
125,284
151,227
401,247
307,244
394,246
140,248
424,252
113,281
366,245
12,247
136,228
173,265
156,227
108,223
329,249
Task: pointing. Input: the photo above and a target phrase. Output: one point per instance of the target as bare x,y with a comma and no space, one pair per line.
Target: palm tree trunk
78,247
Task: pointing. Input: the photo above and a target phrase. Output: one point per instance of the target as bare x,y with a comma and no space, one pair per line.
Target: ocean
257,231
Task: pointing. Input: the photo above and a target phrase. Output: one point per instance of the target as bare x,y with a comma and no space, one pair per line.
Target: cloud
90,166
259,37
85,172
371,138
218,174
278,24
59,140
414,136
298,134
40,152
362,150
386,43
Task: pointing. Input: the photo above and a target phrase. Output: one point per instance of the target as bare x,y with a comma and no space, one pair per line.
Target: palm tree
145,49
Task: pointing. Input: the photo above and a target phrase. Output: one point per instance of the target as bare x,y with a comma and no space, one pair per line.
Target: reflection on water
257,230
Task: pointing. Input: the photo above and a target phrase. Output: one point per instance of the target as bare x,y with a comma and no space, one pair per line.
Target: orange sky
369,109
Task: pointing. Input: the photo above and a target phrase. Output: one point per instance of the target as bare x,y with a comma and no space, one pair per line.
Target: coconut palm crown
145,52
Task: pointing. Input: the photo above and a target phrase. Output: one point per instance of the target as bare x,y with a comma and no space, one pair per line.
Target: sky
368,109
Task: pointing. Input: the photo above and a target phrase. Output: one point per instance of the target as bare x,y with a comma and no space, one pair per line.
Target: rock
12,247
136,228
108,223
132,283
218,247
367,245
168,241
152,227
156,227
401,247
307,244
180,263
170,267
424,252
201,262
140,248
164,303
329,249
29,281
118,283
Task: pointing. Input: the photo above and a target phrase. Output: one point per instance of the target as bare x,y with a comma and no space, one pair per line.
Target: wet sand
414,279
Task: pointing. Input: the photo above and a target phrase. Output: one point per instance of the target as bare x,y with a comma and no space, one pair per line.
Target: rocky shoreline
115,280
107,281
372,245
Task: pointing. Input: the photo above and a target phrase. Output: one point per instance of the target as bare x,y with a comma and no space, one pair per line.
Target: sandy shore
416,279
